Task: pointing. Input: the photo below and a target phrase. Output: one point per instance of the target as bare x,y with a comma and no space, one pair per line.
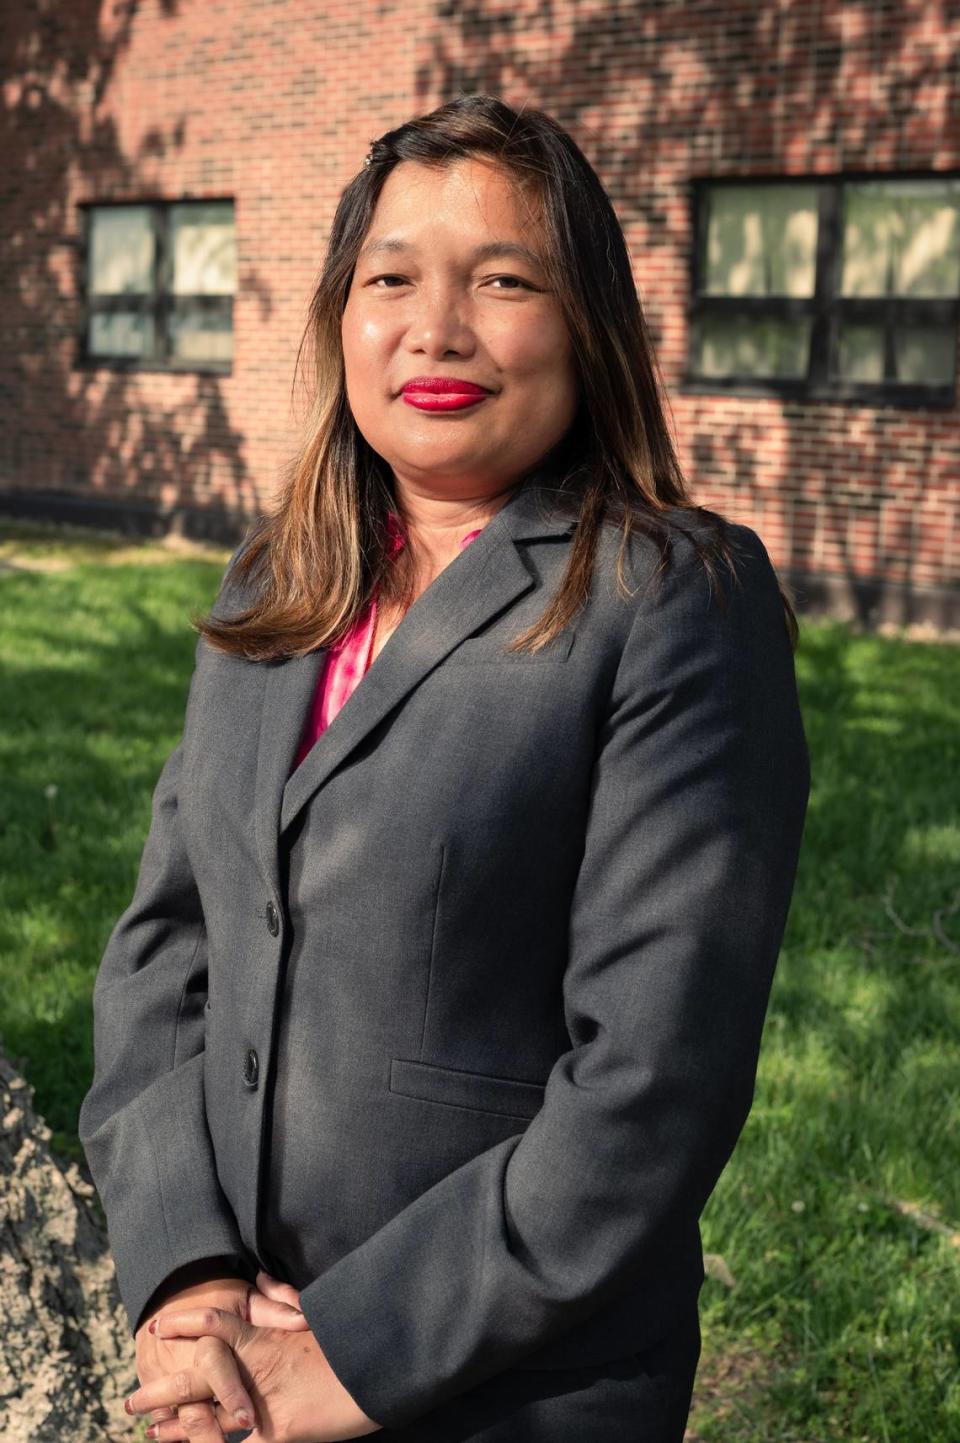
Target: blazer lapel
287,694
489,575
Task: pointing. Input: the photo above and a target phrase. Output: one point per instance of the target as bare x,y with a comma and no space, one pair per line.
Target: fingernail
152,1325
153,1431
245,1418
128,1406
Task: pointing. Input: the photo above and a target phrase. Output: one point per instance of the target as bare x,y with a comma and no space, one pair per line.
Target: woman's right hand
274,1304
266,1304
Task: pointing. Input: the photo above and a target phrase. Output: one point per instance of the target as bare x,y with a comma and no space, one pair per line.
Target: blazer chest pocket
505,1096
491,651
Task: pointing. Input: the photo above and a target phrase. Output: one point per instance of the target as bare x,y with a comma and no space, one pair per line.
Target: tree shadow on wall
93,430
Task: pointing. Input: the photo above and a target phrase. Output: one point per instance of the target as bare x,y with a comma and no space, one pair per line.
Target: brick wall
273,103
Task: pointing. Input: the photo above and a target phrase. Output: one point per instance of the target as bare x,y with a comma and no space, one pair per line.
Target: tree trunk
67,1359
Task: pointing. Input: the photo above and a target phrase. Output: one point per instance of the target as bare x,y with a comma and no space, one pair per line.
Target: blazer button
251,1068
273,919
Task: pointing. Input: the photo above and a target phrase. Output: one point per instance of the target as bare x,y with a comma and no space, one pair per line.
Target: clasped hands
223,1355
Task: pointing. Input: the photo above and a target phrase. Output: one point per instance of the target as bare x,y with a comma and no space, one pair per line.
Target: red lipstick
442,393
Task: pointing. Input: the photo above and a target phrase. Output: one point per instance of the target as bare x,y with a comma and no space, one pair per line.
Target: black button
273,919
251,1068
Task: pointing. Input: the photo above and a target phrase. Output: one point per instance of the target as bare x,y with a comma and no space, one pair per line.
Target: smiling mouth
443,400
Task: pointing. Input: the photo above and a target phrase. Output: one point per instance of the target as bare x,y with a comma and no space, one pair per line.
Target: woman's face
424,301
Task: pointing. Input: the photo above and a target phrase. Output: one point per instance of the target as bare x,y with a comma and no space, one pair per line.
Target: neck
435,525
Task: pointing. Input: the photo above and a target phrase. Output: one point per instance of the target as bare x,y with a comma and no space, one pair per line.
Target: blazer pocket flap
505,1095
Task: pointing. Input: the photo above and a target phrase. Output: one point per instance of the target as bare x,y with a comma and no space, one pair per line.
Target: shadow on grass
97,665
843,1291
878,885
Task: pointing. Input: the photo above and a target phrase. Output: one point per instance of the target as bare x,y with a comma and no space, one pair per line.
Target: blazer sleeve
142,1124
699,793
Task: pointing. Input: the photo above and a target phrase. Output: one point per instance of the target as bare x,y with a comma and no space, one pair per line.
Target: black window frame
159,301
825,307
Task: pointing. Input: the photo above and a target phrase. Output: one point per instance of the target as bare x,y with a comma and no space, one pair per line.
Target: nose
438,324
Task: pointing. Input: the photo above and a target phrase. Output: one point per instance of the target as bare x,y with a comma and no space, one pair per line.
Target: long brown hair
314,559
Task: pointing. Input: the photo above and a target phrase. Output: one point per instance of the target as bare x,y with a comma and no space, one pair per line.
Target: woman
436,1012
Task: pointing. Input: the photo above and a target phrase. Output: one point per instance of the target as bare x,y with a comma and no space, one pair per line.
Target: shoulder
702,592
238,587
683,554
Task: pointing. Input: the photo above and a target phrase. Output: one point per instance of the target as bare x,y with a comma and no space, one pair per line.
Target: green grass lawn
839,1216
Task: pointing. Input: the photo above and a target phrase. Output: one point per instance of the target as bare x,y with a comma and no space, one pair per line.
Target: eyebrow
491,250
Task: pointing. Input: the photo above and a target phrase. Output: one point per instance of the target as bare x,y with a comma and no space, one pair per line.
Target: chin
451,461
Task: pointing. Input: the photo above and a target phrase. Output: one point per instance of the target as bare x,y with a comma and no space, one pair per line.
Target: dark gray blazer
456,1029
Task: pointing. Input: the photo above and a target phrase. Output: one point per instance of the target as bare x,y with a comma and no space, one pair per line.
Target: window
159,282
829,289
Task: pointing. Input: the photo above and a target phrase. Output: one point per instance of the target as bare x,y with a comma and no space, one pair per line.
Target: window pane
199,334
757,348
761,241
121,250
121,333
925,354
860,352
901,238
204,249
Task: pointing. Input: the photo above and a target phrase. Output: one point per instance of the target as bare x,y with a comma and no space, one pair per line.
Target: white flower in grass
799,1206
50,791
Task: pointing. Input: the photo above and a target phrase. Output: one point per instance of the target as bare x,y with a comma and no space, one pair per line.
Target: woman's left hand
297,1396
